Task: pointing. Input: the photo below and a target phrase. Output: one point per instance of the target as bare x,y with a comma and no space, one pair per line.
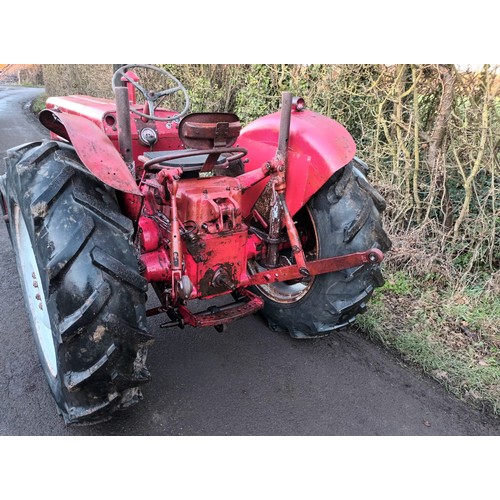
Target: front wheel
79,274
343,217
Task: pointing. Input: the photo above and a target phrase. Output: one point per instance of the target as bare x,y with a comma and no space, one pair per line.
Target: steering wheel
175,155
152,97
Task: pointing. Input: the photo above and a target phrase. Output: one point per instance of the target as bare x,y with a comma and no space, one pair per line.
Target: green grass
39,103
452,337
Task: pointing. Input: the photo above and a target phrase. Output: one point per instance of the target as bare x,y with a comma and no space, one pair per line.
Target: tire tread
96,301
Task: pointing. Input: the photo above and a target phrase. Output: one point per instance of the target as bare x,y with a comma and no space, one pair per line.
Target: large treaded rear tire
79,273
345,215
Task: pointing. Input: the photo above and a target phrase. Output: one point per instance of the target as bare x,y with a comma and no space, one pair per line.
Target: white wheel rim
281,291
30,276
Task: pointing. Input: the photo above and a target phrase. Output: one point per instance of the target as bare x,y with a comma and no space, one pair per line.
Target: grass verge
39,103
453,336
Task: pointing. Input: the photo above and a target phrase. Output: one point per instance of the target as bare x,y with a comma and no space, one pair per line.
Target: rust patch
218,280
264,202
196,248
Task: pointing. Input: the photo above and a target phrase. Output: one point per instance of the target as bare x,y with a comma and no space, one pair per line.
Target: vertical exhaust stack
284,135
123,119
280,158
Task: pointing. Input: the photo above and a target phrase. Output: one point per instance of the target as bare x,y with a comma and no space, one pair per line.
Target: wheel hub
291,291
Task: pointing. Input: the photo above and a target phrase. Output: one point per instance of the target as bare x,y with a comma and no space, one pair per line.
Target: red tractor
276,217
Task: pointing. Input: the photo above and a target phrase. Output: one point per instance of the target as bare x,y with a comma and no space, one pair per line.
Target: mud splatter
99,333
39,210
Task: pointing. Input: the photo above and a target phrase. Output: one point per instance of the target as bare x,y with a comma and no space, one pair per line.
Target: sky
259,32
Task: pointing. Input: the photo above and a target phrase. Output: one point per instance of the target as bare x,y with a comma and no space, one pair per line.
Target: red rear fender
94,148
318,147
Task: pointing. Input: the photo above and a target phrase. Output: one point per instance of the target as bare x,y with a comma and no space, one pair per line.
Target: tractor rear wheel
79,274
343,217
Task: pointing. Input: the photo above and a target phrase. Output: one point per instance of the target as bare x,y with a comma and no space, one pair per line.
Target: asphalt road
246,381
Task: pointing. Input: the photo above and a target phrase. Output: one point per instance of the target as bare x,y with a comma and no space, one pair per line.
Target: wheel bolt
35,284
40,305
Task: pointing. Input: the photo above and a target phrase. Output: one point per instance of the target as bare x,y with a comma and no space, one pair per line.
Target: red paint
214,201
149,234
197,229
157,264
318,147
94,149
223,315
102,112
314,268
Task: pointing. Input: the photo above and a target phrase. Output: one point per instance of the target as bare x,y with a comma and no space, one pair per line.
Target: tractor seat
189,164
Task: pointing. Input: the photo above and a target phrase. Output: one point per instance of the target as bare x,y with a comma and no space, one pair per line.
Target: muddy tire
79,274
343,217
